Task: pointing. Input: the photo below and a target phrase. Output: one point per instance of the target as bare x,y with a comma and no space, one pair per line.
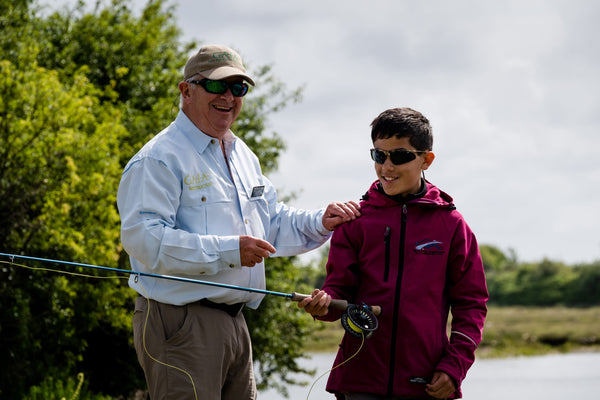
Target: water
552,377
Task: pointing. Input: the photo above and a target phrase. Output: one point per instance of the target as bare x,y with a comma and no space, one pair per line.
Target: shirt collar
199,139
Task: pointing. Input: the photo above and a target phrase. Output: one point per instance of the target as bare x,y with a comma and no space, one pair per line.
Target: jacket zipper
386,240
397,302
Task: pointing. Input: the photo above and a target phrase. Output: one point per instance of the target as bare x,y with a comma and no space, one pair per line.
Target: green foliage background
80,91
545,283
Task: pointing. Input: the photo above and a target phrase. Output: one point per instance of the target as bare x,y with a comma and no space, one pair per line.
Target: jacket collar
429,195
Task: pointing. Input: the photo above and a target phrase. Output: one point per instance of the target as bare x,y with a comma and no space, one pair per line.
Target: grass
514,331
510,331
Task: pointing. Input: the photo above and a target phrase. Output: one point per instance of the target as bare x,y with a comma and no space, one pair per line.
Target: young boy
414,255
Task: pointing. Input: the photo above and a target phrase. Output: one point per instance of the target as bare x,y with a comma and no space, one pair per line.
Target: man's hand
337,213
253,250
317,305
441,386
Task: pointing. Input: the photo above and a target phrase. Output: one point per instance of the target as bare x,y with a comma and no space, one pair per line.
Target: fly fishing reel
359,321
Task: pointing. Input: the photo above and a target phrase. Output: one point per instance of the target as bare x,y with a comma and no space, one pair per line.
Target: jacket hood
433,196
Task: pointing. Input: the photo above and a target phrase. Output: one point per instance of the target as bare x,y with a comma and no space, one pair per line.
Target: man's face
212,113
405,178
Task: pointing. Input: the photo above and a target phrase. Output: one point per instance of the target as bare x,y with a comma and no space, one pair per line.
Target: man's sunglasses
220,87
398,156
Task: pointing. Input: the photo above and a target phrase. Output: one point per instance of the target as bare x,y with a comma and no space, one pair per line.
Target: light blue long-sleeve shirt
182,212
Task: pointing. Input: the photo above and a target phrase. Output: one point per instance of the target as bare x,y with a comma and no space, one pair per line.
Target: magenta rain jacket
417,261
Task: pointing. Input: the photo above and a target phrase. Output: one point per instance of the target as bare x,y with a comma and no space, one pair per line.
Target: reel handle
335,303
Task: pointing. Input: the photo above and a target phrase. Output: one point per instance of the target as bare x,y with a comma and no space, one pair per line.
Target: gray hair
192,78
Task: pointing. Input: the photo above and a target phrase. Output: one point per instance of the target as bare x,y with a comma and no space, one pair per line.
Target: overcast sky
512,89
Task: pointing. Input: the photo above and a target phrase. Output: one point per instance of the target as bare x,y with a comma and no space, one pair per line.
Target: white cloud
510,88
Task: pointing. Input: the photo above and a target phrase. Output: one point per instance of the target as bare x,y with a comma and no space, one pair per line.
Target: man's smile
222,108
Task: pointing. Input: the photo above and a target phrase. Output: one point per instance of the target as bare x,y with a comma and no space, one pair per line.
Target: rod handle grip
335,303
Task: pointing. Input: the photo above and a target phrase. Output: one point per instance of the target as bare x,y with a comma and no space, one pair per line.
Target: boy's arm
341,281
468,296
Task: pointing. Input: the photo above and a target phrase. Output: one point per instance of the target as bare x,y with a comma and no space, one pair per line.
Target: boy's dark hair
403,122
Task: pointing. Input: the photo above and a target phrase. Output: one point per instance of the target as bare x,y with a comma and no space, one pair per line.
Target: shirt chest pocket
255,207
206,209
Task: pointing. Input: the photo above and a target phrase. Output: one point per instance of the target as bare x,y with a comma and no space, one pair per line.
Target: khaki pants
193,347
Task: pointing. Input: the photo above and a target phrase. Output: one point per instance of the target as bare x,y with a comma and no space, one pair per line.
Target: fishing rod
358,320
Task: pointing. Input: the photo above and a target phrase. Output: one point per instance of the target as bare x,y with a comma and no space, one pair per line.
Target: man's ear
427,160
184,88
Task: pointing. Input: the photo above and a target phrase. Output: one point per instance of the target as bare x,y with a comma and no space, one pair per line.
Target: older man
194,203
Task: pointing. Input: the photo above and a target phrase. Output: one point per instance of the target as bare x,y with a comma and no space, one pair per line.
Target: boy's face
405,178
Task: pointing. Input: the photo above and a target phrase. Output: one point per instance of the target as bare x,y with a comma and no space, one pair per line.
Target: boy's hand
317,305
441,386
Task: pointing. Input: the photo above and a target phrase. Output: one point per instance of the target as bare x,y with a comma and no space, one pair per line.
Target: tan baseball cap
216,62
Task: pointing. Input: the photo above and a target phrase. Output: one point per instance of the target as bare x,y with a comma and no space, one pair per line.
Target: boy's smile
405,178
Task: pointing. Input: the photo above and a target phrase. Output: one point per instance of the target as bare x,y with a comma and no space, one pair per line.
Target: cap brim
224,73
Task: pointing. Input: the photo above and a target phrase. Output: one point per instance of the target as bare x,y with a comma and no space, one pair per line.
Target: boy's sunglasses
397,157
220,87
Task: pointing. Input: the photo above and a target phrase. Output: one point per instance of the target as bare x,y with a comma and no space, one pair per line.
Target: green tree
494,259
500,270
59,170
584,289
545,283
80,92
542,284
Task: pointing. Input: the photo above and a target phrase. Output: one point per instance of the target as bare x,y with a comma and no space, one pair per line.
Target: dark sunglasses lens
220,87
399,157
239,89
216,87
378,156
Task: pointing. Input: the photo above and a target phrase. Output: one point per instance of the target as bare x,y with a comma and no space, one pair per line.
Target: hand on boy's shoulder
337,213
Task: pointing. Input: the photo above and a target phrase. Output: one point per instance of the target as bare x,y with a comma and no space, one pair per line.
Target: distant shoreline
509,332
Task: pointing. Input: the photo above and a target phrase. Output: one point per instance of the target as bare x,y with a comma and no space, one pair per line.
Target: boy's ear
427,160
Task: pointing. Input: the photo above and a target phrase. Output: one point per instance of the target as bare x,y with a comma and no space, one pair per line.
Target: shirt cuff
320,227
229,248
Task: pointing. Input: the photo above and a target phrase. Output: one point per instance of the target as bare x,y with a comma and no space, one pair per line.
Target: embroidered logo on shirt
428,246
197,181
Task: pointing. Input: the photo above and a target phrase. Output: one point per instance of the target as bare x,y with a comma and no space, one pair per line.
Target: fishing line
335,303
61,272
145,320
358,320
339,365
146,349
80,377
293,296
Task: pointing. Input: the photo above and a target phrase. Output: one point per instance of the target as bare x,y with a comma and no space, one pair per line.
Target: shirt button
203,198
246,221
213,141
231,265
